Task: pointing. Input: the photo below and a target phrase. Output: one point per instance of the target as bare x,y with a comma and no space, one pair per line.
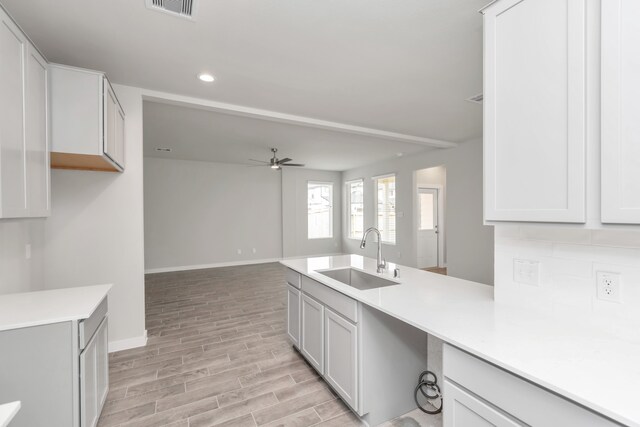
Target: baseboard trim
128,343
214,265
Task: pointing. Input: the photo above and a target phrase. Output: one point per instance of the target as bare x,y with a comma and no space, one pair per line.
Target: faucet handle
396,273
384,263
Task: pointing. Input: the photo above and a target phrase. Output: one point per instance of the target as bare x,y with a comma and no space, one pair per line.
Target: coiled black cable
430,390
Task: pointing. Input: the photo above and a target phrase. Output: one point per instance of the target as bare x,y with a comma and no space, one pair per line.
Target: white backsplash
569,259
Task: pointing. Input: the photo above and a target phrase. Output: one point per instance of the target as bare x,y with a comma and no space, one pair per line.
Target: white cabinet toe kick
371,360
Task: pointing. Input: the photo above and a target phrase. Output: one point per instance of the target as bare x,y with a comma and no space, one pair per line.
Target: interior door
428,233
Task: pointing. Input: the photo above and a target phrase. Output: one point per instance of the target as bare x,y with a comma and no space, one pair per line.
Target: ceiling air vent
181,8
476,99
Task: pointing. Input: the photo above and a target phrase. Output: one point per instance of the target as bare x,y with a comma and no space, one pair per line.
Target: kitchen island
554,352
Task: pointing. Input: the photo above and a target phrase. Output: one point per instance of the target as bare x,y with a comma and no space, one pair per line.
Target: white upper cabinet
534,111
24,155
37,135
620,124
13,181
87,121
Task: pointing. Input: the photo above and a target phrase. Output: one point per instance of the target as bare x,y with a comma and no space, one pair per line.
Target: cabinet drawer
293,278
466,410
88,327
340,303
513,395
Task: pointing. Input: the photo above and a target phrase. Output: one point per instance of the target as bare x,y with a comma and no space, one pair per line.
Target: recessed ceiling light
206,77
399,154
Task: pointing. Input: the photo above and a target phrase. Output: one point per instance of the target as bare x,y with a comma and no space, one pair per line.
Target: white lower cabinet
323,324
94,382
293,315
341,364
466,410
477,393
59,371
312,345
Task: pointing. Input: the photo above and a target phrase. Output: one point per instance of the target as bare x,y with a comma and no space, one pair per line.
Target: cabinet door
102,365
462,409
37,135
94,376
341,366
534,111
119,133
13,185
293,315
110,107
89,384
620,125
312,345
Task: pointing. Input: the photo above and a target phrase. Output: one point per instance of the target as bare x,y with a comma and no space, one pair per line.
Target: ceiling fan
275,163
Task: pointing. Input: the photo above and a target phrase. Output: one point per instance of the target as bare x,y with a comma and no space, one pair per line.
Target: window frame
375,206
331,212
348,204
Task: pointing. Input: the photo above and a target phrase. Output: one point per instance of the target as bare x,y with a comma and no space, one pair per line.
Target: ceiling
198,134
400,66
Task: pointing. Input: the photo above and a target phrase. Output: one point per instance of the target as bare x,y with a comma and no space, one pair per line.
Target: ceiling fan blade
256,166
285,160
259,161
293,164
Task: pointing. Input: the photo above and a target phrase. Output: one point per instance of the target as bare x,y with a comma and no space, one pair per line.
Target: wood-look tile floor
218,355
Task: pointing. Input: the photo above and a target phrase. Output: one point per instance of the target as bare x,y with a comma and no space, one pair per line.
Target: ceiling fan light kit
275,163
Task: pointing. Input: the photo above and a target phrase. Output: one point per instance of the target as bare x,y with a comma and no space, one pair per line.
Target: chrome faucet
381,263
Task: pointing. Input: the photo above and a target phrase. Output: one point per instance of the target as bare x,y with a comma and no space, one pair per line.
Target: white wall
436,176
201,213
294,213
569,259
95,232
469,242
17,273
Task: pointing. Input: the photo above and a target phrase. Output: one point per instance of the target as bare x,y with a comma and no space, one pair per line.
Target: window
427,208
355,206
320,210
386,208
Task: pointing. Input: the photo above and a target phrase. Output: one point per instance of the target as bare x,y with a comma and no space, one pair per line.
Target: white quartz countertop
583,363
26,309
7,412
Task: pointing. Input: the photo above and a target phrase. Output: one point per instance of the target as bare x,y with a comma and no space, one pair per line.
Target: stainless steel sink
357,278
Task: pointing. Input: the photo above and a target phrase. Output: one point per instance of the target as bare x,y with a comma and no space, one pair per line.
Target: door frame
441,221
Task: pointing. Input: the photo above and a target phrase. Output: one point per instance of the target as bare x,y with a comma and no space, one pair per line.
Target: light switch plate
526,272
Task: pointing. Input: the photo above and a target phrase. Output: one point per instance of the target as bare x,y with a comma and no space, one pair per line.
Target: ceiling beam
239,110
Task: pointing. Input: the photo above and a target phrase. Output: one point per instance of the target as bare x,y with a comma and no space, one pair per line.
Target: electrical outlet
27,251
608,286
526,272
253,250
239,251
